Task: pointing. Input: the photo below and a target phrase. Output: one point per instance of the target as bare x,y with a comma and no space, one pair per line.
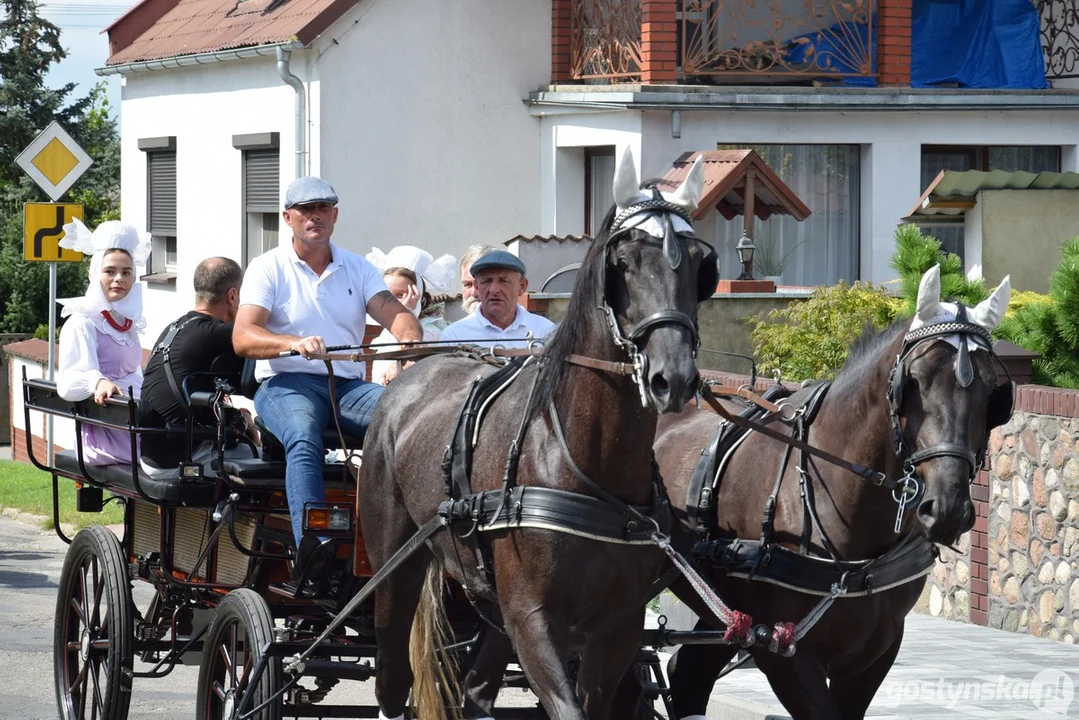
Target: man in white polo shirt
300,297
499,320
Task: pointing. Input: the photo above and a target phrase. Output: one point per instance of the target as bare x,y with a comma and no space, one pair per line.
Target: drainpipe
283,57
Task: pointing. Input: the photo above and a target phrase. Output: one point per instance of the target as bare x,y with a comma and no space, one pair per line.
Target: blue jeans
296,409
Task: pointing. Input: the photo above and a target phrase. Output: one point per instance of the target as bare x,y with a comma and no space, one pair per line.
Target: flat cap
309,190
498,259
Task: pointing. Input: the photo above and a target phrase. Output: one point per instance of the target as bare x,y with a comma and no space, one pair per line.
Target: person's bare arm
251,339
395,317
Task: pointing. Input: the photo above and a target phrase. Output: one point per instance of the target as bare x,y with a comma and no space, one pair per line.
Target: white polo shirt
301,303
482,331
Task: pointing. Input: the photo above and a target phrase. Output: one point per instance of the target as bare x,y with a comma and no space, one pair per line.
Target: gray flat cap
498,259
309,190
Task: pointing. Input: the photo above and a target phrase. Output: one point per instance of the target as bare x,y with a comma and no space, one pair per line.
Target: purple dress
105,446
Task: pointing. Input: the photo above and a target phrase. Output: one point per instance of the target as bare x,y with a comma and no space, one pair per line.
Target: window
261,192
936,158
161,207
824,248
598,186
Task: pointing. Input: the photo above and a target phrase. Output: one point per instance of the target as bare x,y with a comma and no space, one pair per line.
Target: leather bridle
911,486
629,342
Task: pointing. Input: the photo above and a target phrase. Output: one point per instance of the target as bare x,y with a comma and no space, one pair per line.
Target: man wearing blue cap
298,298
499,320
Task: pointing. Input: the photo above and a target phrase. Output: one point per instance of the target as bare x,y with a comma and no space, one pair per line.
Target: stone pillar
561,40
659,42
893,42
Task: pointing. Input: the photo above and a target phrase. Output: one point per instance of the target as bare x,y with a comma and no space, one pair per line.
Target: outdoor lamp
745,249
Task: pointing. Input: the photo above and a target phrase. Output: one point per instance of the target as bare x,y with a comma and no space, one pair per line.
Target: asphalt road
30,565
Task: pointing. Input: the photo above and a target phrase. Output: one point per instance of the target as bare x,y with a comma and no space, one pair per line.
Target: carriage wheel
94,635
241,629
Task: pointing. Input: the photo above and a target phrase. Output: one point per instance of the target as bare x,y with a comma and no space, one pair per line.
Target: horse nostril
659,386
925,512
968,517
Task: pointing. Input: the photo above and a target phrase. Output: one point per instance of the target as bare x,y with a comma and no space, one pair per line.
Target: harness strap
877,478
165,347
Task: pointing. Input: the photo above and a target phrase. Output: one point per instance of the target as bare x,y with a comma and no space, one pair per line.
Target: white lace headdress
108,235
432,275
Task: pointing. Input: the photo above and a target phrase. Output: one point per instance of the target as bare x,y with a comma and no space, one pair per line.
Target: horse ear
989,312
688,194
627,189
929,307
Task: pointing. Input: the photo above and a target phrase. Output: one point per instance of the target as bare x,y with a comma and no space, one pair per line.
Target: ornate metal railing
606,39
1060,37
814,38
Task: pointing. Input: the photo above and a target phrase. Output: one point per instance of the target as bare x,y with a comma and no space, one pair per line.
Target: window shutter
262,178
162,183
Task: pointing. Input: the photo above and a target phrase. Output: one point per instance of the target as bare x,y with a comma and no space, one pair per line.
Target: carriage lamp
745,249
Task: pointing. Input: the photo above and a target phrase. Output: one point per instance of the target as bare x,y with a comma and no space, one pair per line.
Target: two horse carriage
558,492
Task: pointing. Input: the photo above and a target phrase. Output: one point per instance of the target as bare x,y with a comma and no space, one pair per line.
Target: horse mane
866,352
579,320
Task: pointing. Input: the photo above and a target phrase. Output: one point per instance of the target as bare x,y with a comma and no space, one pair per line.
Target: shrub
811,339
914,254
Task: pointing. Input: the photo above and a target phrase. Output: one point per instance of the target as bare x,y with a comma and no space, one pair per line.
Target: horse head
944,399
656,274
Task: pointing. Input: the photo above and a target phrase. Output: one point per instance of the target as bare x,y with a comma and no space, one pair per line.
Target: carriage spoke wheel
241,628
92,645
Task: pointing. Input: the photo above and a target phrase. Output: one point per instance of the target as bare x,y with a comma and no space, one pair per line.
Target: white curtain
821,250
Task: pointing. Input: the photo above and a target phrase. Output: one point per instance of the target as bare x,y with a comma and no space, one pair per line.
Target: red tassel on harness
739,629
782,639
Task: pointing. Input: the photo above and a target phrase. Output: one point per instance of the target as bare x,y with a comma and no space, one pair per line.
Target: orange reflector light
338,519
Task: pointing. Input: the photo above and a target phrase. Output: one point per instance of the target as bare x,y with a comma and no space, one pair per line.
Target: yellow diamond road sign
54,161
43,229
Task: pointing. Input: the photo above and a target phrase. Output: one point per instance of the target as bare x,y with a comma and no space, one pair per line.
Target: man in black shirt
201,338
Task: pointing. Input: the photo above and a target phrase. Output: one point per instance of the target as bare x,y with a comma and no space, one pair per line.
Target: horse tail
434,669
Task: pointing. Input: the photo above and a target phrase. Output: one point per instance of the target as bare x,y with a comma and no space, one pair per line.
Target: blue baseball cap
498,259
308,191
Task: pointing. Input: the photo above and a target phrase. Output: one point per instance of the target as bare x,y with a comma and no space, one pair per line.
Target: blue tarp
834,48
991,44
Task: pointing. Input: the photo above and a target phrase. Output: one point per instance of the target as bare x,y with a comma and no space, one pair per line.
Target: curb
38,521
729,707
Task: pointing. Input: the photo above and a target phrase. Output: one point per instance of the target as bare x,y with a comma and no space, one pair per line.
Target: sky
81,23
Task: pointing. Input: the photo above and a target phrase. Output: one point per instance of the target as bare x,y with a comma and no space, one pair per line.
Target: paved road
30,565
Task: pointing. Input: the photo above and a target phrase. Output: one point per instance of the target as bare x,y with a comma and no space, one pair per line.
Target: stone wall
1019,568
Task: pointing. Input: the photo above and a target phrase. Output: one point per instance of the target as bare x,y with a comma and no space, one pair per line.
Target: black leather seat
171,490
269,475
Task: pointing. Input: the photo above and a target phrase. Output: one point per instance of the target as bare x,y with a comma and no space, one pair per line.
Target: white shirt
481,331
333,306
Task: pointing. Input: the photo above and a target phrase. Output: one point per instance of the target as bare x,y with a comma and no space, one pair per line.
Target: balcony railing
748,38
1060,37
606,40
736,39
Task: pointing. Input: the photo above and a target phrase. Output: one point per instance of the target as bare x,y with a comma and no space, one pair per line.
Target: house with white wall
443,124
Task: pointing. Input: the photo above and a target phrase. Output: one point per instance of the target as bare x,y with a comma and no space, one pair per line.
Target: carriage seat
170,491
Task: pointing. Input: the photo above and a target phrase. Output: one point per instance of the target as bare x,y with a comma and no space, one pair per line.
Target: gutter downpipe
284,56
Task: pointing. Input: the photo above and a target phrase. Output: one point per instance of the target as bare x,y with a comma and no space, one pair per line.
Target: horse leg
395,607
484,678
542,652
801,684
854,693
605,661
692,672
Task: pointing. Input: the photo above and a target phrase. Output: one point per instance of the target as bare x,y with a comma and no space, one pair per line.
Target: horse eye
621,263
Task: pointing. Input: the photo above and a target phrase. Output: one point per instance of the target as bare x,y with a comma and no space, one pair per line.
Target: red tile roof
725,173
159,29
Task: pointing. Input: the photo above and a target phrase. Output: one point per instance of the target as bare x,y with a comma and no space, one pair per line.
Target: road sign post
54,161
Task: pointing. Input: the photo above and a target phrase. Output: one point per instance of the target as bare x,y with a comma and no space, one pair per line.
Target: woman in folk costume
100,352
420,283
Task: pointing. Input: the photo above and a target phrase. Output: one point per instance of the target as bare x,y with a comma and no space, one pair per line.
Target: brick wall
561,39
893,42
659,42
1018,570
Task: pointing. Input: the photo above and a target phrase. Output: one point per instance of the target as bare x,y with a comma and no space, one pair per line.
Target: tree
29,46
